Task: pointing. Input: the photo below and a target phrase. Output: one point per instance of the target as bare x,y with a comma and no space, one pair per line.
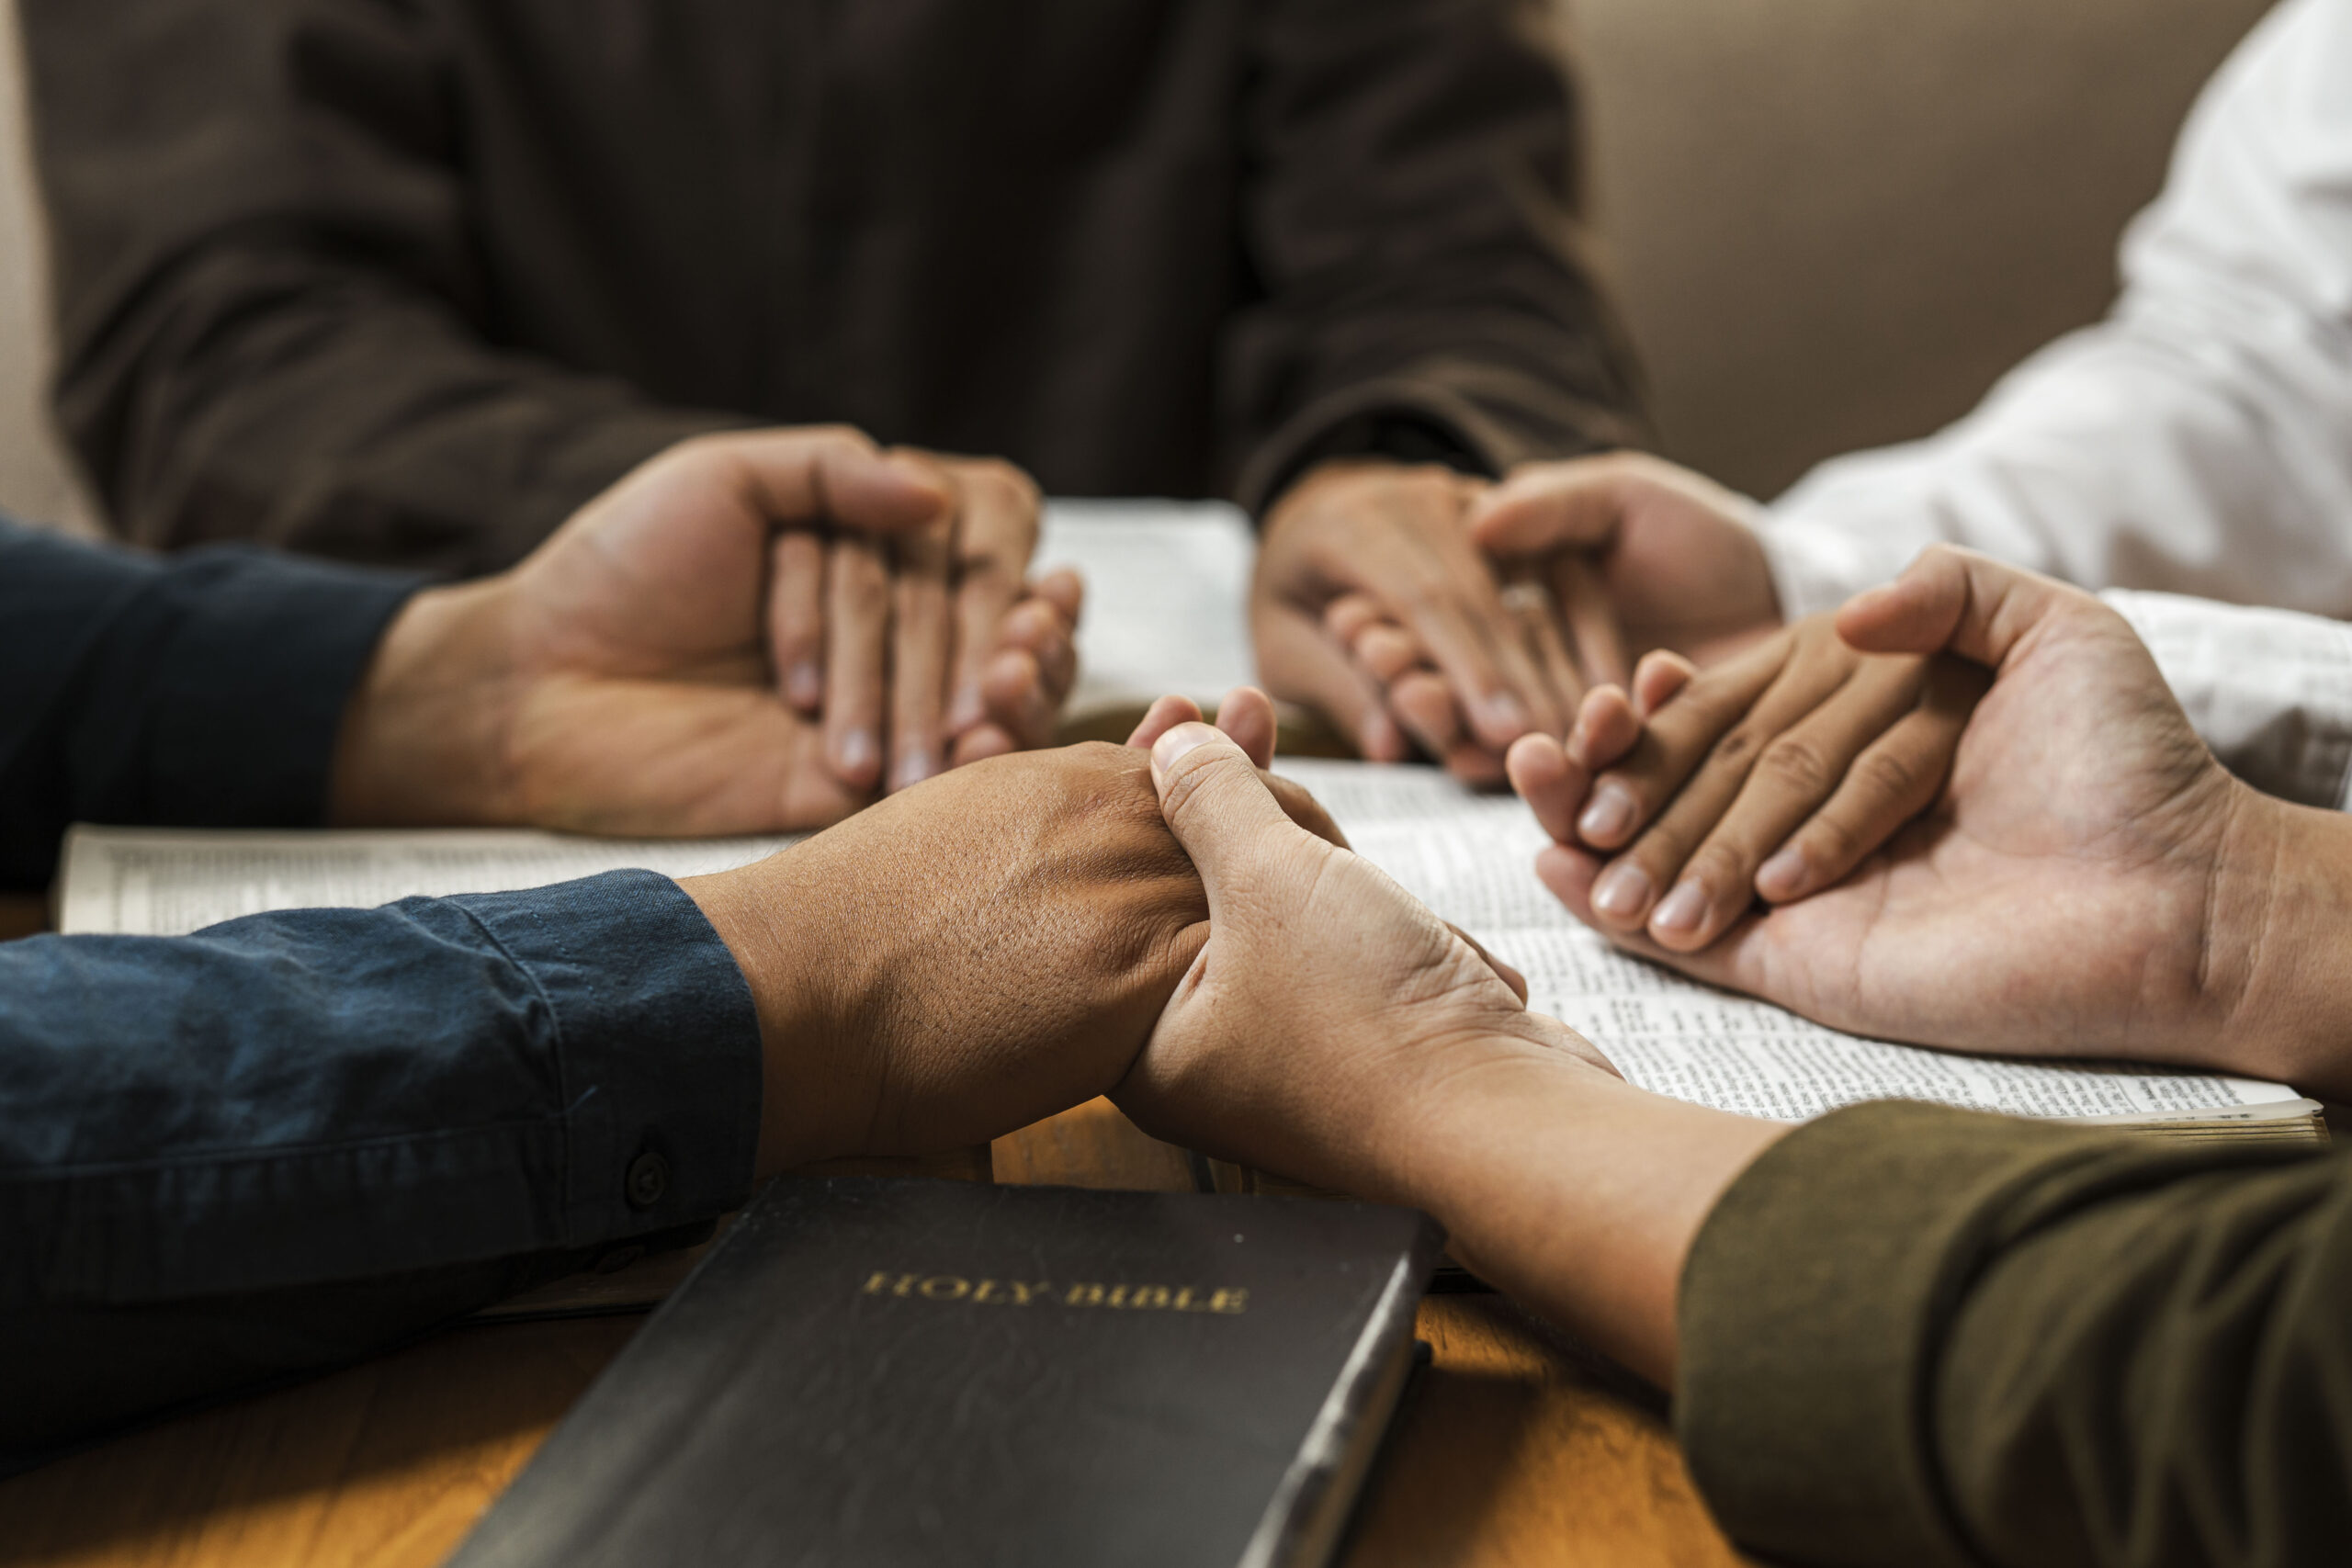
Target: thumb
1549,506
1215,802
1955,601
837,476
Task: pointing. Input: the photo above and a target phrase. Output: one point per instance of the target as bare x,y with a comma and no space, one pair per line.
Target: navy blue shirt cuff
659,1043
319,1095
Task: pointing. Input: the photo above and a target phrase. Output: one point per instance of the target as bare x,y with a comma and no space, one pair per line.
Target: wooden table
1513,1450
22,914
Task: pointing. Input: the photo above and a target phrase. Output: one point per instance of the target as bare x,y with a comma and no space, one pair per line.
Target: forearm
206,691
1573,1191
2280,924
302,402
274,319
338,1127
332,1094
1430,147
423,739
1922,1335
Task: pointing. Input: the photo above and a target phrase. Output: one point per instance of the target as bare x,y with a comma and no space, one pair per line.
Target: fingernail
804,686
1170,749
1500,710
1609,816
1623,892
860,753
913,768
1783,877
1682,910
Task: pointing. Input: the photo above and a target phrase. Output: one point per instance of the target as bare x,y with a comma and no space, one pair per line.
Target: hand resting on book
1769,775
2089,881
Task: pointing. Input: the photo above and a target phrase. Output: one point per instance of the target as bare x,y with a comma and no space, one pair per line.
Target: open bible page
1470,857
1166,586
168,882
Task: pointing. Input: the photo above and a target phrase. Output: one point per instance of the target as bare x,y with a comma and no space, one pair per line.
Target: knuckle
1887,774
1106,758
1735,751
1718,866
1187,780
1663,851
1008,481
1428,482
838,443
1830,839
1421,594
1797,764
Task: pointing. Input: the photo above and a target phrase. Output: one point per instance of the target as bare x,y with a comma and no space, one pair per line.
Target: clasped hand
718,644
1417,606
2084,879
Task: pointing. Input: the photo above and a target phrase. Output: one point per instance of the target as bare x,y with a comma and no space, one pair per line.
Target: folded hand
1325,999
622,678
1769,775
2090,881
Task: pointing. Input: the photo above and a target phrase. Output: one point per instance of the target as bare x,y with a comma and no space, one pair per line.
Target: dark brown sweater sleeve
1412,219
1918,1336
269,307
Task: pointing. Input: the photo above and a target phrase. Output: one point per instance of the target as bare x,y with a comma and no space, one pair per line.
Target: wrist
1398,438
807,1113
1575,1191
423,738
2278,921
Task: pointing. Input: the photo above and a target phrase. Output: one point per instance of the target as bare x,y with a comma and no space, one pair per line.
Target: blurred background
1832,223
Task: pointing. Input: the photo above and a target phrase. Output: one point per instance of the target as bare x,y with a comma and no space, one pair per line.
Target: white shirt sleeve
2199,440
2270,690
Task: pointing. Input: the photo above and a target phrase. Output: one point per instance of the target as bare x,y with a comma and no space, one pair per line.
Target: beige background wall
1833,221
35,484
1836,222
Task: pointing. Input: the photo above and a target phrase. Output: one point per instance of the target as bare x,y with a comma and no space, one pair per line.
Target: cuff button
648,1180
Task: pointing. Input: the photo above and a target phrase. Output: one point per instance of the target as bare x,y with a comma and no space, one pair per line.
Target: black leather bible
883,1373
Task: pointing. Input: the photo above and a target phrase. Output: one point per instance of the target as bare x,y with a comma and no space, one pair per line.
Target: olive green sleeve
1918,1336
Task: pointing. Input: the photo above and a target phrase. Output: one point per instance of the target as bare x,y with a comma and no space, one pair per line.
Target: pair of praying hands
1417,607
753,632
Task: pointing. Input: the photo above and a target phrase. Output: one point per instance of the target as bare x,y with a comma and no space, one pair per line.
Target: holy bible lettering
885,1372
1229,1300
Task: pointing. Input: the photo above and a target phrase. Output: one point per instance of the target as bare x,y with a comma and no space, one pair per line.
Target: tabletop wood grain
1513,1450
22,914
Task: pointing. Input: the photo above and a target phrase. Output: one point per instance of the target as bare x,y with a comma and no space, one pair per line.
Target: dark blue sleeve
200,690
294,1138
